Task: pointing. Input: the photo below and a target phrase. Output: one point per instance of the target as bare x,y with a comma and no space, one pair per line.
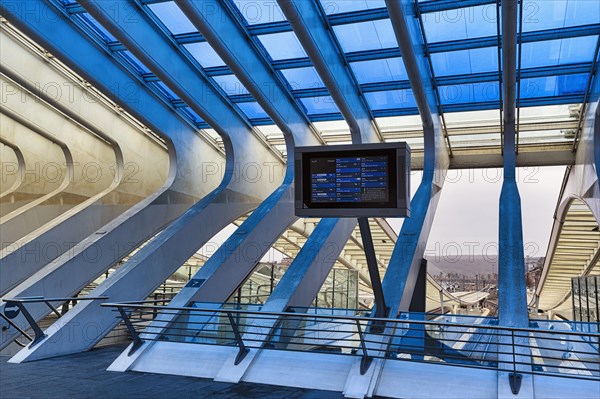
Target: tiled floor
84,376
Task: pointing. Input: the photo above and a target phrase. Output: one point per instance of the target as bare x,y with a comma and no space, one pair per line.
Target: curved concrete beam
70,272
141,168
234,196
13,167
92,158
48,177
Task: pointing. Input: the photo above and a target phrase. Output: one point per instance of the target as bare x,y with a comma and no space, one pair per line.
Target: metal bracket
137,341
514,379
366,360
39,334
243,351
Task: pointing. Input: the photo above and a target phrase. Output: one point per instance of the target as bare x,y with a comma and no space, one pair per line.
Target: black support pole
365,232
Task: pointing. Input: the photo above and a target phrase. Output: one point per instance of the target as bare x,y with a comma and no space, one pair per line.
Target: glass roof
558,47
371,35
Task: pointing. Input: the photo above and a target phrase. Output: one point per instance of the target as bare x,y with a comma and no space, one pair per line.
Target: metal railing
478,343
18,304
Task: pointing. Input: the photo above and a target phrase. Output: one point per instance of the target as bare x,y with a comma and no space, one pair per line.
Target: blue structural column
402,273
512,291
403,270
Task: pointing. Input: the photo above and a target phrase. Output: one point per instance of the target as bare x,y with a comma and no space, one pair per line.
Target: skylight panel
465,61
461,23
341,6
259,11
302,78
559,14
95,25
204,54
376,71
319,105
192,115
172,17
558,52
137,64
252,110
282,46
166,90
381,100
469,93
550,86
230,84
371,35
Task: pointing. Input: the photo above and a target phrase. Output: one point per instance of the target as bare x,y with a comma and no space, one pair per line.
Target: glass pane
282,46
166,90
230,84
259,12
391,99
553,86
137,64
192,114
98,28
340,6
204,54
469,93
462,23
465,61
376,71
173,18
319,105
252,110
558,52
366,35
302,78
559,13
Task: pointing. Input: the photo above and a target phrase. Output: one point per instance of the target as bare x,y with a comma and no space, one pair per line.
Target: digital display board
369,180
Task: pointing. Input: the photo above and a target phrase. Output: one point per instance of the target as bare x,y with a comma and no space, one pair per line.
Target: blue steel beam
312,31
145,41
512,292
588,93
298,287
237,257
227,37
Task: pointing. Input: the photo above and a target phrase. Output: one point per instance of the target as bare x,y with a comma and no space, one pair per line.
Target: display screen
350,179
354,180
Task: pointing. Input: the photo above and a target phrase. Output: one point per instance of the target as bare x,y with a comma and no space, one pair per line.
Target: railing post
243,351
39,334
366,360
514,378
137,341
16,327
53,309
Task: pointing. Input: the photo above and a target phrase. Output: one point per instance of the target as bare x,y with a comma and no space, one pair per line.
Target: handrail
44,299
136,304
511,348
39,335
